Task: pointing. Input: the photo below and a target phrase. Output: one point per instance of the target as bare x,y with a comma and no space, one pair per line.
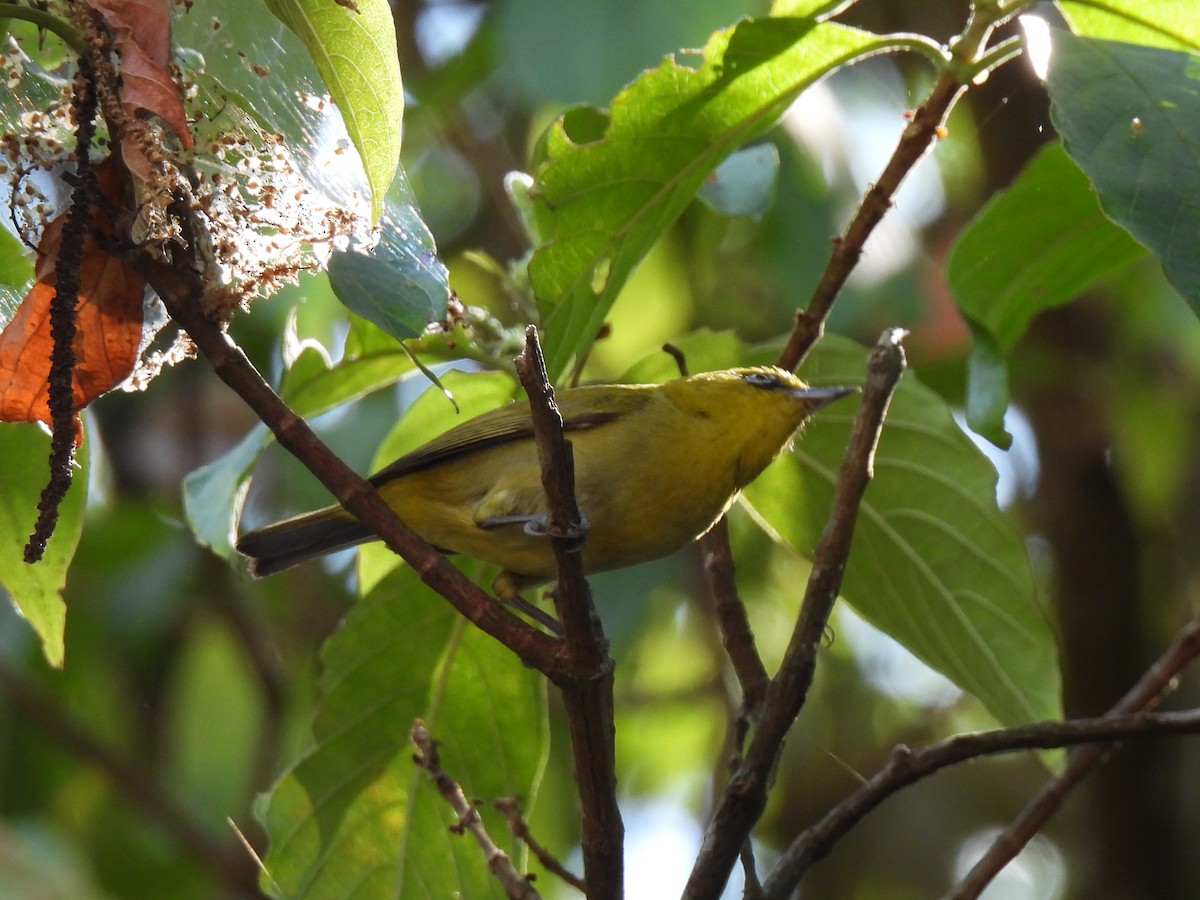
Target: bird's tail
294,540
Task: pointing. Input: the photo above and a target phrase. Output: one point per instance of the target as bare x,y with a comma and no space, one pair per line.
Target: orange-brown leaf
142,32
108,322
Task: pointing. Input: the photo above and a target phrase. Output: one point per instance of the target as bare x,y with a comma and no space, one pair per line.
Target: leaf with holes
609,185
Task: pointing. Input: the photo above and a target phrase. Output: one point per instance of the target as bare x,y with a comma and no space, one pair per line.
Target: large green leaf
36,590
935,563
1172,24
356,817
354,49
1037,244
1130,116
610,184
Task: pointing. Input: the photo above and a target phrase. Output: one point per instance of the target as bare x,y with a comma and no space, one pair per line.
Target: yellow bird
655,466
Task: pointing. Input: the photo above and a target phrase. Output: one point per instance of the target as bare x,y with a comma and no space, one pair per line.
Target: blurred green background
202,681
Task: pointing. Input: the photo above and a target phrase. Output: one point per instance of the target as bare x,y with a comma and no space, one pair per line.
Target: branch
133,783
925,126
745,796
516,887
906,767
587,686
736,634
511,808
180,288
1080,763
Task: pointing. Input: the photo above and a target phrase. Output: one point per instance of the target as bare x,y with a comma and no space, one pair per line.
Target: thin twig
736,634
1080,763
926,124
906,767
745,796
132,782
516,886
511,808
587,687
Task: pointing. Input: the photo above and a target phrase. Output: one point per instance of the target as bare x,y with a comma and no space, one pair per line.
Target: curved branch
906,767
1080,763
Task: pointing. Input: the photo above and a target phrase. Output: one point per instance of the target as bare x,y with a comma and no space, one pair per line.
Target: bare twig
134,784
924,127
516,887
745,796
587,686
906,767
178,285
736,634
1080,763
511,808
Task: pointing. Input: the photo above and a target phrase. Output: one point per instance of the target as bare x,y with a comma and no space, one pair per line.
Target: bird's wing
491,429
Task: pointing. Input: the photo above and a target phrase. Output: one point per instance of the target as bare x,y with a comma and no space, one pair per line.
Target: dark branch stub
62,317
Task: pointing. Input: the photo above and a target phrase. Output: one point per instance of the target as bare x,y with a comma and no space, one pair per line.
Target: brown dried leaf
108,320
142,33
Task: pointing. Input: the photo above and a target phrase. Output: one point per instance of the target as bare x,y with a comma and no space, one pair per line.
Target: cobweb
280,186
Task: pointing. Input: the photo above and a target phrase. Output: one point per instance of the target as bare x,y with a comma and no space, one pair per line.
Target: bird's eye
762,379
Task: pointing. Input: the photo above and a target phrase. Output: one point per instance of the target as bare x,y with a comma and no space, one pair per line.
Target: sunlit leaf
1171,24
1130,117
610,185
36,590
354,48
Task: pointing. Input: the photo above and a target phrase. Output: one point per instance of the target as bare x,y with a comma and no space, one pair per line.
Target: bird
655,465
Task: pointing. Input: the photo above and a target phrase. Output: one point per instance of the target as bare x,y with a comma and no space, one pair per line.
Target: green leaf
355,816
401,285
935,563
36,590
609,186
1174,26
16,275
400,299
354,49
1038,244
1130,117
809,8
213,494
987,388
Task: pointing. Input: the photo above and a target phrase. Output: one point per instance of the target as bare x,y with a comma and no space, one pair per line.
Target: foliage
603,244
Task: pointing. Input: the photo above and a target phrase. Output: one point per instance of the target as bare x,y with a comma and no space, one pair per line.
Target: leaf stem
60,27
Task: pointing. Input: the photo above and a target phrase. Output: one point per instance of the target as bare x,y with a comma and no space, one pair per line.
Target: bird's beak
815,398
